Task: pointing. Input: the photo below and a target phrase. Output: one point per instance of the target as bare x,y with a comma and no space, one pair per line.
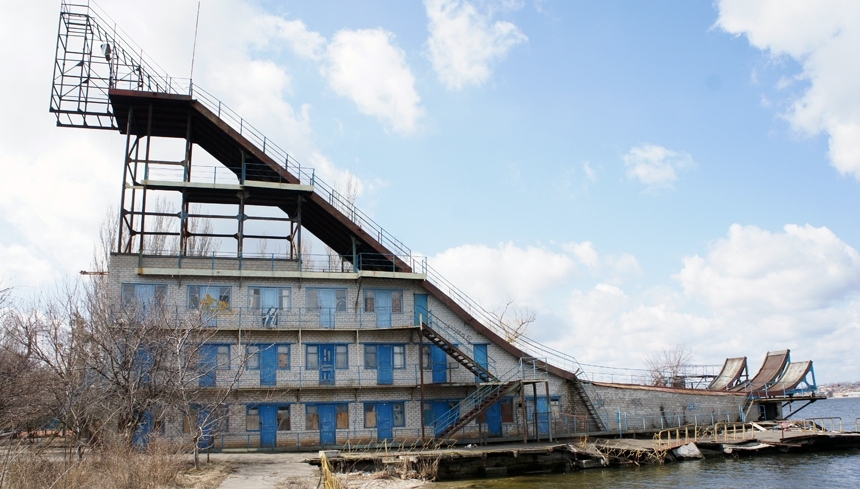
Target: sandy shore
290,471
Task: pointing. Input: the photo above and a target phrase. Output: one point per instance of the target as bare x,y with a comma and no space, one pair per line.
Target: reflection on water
837,469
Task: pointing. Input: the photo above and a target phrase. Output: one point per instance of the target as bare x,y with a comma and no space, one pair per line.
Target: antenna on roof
194,50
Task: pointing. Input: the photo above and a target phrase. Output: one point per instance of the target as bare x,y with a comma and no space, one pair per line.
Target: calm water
838,469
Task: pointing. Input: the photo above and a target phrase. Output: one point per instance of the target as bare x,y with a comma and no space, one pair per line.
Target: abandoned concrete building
361,343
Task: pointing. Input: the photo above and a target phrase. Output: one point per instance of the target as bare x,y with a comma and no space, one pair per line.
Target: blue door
328,422
268,426
543,416
383,308
480,358
328,305
143,431
421,311
326,364
494,420
268,365
384,367
442,417
270,304
384,421
208,364
439,364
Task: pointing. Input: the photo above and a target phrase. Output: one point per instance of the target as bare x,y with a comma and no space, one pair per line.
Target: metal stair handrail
554,357
138,74
454,336
517,373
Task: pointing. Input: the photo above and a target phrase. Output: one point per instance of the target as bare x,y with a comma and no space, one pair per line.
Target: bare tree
109,365
202,380
349,192
513,321
162,224
669,366
22,384
199,241
50,334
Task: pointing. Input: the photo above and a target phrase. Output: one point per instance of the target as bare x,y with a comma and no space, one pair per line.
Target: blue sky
640,174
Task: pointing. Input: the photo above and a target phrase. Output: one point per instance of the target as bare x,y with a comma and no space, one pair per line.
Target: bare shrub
114,465
427,467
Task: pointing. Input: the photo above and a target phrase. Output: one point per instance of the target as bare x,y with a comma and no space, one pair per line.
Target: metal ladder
589,406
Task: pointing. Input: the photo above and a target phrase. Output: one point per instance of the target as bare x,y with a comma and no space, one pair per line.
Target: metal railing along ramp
104,81
96,65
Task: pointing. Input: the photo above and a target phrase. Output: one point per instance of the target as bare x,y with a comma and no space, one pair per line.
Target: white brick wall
299,386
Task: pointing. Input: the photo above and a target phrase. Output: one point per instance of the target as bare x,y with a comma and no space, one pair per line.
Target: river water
819,470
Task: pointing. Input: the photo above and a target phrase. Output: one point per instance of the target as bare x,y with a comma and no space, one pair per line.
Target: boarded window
507,410
342,416
396,301
369,415
312,418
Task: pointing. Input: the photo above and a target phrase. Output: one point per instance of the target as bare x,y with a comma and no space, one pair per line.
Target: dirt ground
290,471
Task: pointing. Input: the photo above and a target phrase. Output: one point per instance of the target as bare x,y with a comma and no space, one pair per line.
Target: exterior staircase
593,414
444,339
472,406
115,89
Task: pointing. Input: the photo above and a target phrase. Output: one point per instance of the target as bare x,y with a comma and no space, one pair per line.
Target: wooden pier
730,439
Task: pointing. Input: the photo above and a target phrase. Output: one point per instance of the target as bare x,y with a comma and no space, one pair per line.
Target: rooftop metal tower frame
103,81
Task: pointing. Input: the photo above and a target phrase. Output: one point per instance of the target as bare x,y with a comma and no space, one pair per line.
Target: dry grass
115,466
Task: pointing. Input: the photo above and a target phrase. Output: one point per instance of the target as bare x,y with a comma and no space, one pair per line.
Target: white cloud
463,41
802,268
305,43
825,39
533,275
22,267
366,67
343,181
609,267
655,166
753,291
490,275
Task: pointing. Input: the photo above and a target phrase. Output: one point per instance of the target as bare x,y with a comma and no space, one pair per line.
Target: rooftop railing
274,262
